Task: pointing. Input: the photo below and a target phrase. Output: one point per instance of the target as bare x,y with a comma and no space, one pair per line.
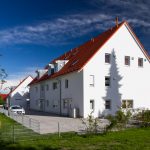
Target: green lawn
131,139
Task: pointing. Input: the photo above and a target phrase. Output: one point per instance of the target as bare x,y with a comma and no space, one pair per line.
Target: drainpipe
60,112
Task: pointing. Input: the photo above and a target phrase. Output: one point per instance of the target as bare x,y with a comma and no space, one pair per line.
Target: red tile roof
4,96
78,57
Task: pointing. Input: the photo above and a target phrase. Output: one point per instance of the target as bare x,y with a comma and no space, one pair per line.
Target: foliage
144,118
2,102
120,120
92,125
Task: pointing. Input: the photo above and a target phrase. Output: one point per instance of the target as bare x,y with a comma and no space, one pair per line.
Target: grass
130,139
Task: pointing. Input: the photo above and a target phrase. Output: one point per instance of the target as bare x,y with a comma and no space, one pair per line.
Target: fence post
39,127
13,133
58,129
22,119
29,122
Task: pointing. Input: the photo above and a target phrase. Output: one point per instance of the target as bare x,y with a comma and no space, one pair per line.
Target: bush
119,121
144,118
2,102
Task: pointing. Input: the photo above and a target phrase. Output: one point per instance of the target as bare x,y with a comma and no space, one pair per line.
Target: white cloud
55,31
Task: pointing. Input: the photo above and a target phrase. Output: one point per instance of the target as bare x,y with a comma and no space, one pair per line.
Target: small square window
54,85
107,81
92,104
140,62
66,83
127,60
107,58
107,104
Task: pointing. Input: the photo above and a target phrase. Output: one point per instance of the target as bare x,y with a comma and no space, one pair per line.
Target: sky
33,32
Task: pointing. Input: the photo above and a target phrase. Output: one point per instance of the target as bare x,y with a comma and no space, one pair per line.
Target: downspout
60,96
60,111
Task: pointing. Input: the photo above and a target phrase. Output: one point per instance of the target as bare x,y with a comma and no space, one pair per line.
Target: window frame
92,104
65,103
55,85
127,60
66,83
140,62
47,87
108,104
92,78
107,81
127,103
107,58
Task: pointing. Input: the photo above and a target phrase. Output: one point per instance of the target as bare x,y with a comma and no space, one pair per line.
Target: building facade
20,94
110,71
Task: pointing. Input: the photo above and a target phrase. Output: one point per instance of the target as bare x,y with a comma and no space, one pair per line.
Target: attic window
74,62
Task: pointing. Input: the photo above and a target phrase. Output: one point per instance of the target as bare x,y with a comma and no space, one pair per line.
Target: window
91,80
66,83
47,87
107,104
54,85
107,58
36,89
92,104
140,62
65,103
127,60
42,88
47,103
17,99
107,81
127,103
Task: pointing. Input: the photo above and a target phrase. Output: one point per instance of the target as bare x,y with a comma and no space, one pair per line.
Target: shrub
1,101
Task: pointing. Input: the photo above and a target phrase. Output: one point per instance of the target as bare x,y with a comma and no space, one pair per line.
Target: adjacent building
19,95
109,71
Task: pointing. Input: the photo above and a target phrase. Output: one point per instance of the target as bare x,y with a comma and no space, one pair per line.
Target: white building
20,94
110,71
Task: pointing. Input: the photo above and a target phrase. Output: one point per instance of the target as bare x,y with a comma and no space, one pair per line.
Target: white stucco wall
74,93
135,80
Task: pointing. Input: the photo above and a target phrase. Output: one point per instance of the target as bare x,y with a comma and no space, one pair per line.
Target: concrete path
49,123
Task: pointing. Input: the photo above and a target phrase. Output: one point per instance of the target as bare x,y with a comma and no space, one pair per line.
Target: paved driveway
49,123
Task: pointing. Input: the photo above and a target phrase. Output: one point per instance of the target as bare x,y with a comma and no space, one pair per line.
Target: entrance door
41,105
67,106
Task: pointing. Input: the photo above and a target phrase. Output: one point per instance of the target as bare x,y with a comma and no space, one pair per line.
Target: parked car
17,109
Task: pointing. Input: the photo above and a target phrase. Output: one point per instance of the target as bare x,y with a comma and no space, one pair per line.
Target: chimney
117,22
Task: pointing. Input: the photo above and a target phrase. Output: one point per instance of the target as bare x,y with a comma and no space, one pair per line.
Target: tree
3,76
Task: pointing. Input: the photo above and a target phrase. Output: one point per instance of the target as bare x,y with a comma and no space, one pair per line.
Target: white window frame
106,105
107,54
66,83
92,80
107,81
92,104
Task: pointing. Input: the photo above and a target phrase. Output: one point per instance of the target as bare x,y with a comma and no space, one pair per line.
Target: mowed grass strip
130,139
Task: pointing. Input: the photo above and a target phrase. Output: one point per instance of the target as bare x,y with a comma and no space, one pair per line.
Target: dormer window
107,58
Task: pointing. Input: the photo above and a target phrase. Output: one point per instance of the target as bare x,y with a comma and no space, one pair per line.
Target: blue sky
32,32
